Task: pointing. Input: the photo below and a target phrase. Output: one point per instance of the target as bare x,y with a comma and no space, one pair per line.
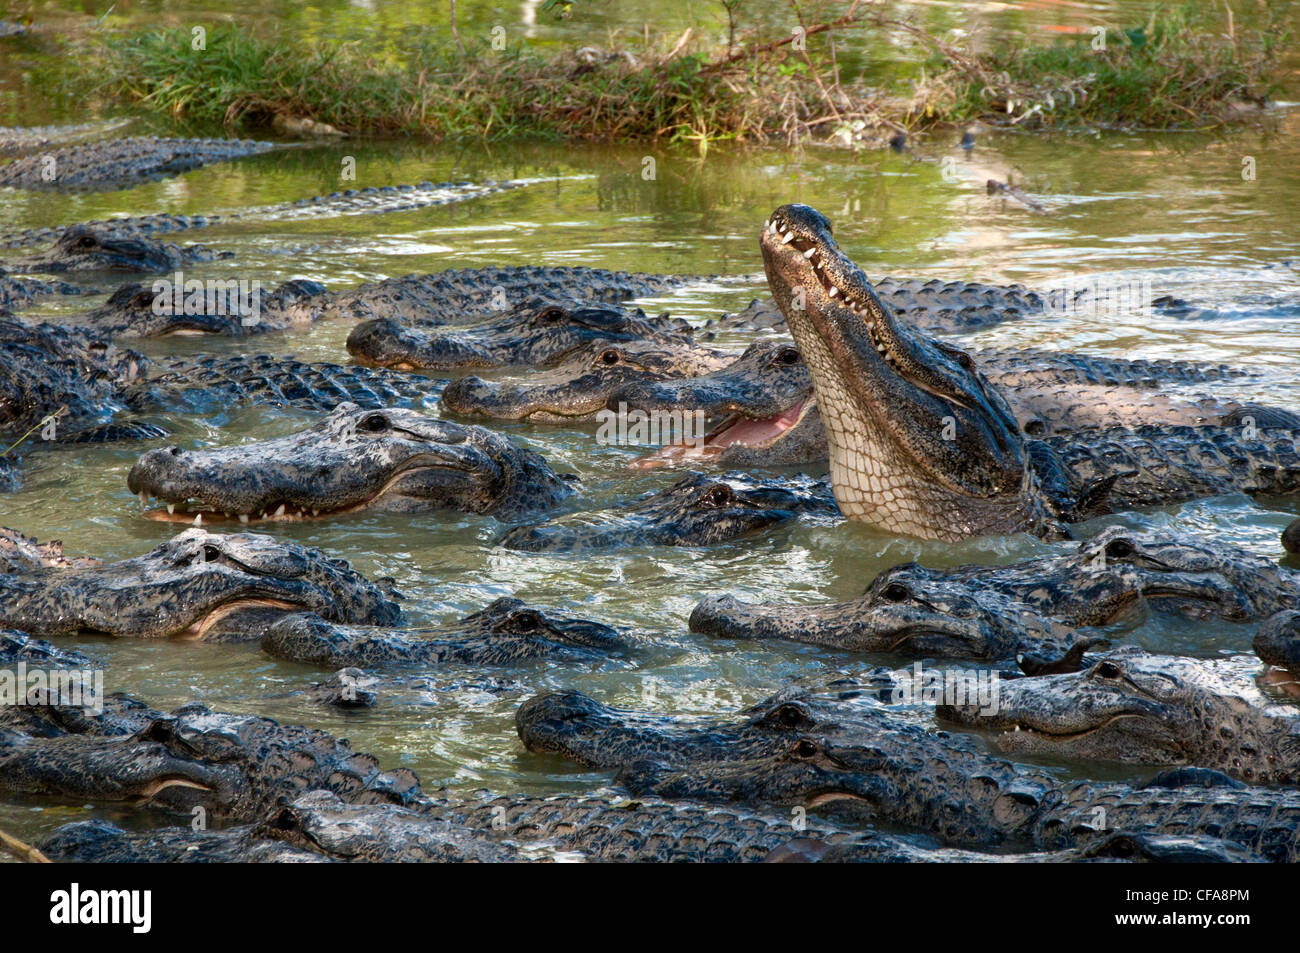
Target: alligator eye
1119,548
610,357
805,749
788,356
85,241
791,716
719,495
1108,670
374,423
210,553
552,314
894,592
526,620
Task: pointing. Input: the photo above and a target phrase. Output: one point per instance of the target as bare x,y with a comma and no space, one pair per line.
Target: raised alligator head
534,334
354,459
197,585
579,387
920,443
1135,708
698,510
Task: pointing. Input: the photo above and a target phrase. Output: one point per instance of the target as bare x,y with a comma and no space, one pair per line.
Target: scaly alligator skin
504,632
769,417
1141,709
122,163
18,647
197,585
833,748
388,198
1026,611
24,140
319,827
536,333
1278,641
19,293
83,249
354,460
579,387
19,551
450,296
698,510
924,445
139,311
236,767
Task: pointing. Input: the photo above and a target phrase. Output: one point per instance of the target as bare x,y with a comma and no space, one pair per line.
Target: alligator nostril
175,451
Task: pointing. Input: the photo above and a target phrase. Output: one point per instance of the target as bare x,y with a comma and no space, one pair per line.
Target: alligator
122,163
1028,611
371,200
224,307
697,510
353,688
768,414
19,293
505,632
836,751
197,585
535,333
234,767
578,387
352,461
81,248
1278,641
1143,709
24,140
320,827
1291,537
922,444
19,647
76,386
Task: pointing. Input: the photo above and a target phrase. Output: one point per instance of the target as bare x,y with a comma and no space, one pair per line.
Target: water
1172,208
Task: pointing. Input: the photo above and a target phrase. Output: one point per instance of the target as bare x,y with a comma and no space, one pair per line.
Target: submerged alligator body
371,200
922,444
698,510
198,585
122,163
1028,611
1143,709
535,333
24,140
236,767
19,293
354,460
502,633
836,750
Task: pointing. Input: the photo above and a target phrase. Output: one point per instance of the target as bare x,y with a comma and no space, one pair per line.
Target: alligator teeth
171,509
810,252
144,500
280,511
787,238
834,291
243,517
198,519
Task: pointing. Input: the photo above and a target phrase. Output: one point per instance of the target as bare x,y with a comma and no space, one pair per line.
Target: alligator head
197,585
698,510
1141,709
1278,641
906,610
535,334
763,402
1194,576
82,248
220,307
354,459
920,443
580,386
504,632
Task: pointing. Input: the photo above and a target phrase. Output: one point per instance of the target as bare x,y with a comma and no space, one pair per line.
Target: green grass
1165,74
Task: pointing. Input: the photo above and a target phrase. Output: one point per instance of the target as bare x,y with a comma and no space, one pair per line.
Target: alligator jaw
756,432
199,629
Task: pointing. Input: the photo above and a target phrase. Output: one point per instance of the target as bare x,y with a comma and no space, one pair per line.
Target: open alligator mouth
737,429
200,628
198,512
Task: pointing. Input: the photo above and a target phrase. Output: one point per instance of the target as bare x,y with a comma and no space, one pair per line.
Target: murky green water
1173,208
